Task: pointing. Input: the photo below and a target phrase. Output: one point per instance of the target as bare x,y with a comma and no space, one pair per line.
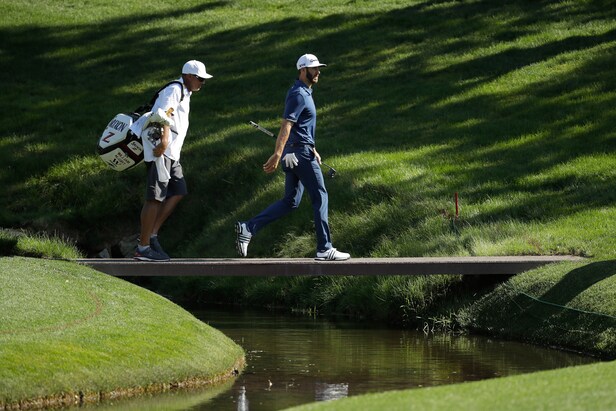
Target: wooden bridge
307,266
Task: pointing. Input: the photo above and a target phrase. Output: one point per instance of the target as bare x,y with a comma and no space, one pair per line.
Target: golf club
332,171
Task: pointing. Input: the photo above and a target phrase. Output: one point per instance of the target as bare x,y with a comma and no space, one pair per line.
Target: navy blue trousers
306,175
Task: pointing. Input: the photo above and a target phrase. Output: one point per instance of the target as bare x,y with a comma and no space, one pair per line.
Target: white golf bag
120,148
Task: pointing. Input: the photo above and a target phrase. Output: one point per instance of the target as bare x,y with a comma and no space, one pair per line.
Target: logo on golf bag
117,146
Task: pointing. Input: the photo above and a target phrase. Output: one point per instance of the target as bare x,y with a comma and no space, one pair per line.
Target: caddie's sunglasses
201,79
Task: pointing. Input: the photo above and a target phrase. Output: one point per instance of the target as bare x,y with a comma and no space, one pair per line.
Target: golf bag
120,148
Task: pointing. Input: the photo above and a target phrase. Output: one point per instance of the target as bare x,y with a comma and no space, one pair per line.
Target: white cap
308,60
195,67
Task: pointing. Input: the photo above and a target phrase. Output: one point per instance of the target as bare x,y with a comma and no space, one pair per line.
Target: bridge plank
505,265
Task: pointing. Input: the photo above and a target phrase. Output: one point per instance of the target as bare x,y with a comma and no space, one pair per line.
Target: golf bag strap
147,107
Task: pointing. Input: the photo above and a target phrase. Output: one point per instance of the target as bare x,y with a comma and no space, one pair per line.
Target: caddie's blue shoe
155,244
149,255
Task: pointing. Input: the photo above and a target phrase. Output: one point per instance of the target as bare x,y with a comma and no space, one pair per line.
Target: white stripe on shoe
332,255
243,238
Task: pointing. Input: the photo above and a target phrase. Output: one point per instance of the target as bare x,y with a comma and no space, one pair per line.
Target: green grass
66,329
510,105
14,242
587,387
568,305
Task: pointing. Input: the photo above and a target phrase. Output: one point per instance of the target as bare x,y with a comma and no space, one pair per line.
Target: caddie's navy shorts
157,190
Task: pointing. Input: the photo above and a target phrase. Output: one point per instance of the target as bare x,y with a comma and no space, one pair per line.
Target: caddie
163,131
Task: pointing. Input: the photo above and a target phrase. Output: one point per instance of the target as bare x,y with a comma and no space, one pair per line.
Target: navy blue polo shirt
300,110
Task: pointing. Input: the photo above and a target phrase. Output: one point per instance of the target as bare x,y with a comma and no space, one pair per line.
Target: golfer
163,131
295,150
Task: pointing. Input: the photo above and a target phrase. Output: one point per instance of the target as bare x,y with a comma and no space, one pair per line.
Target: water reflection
242,401
179,400
327,392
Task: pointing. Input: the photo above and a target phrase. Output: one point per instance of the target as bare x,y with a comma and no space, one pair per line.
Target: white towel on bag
163,173
159,117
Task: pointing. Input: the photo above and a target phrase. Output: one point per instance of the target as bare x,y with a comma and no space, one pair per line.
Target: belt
299,145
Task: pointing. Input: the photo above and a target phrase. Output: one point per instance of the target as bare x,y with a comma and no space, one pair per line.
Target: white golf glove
290,160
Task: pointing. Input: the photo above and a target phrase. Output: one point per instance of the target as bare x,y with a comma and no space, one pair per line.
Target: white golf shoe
243,238
332,255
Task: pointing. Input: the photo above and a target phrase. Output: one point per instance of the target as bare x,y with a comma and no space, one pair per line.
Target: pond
292,360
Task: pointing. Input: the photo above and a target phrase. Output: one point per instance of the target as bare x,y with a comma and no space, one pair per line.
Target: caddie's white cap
308,60
195,67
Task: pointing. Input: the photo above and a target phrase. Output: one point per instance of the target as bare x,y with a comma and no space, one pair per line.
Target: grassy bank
25,244
586,387
565,305
70,334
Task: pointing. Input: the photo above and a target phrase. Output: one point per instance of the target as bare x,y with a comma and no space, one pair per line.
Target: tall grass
13,242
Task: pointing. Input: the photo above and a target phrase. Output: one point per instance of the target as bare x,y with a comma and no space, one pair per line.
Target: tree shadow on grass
578,280
386,88
563,315
570,324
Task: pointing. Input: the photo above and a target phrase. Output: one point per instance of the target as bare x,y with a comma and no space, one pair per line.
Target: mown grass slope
67,331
